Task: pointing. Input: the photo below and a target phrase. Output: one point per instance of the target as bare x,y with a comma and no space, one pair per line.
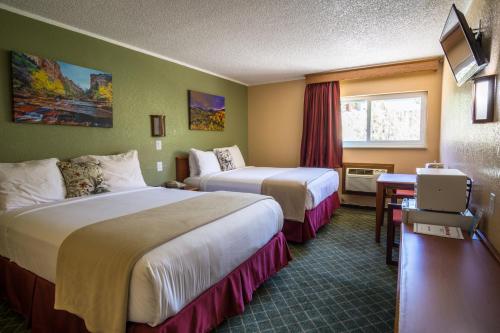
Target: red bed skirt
33,296
313,220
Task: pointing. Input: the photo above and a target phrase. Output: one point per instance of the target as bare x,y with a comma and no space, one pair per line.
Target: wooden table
446,285
389,181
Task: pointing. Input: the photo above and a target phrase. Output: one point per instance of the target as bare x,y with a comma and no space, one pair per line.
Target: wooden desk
446,285
389,181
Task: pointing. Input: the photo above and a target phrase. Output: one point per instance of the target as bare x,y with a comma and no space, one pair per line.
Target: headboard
181,168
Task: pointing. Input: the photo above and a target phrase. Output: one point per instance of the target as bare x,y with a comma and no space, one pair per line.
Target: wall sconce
484,94
157,125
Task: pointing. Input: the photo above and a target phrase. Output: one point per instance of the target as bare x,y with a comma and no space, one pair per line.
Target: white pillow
206,161
193,165
120,171
238,160
30,183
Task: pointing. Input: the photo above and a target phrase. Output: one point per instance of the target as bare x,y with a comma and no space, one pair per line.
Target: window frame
410,144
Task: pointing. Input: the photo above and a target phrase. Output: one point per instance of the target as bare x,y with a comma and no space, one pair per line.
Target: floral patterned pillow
225,159
83,178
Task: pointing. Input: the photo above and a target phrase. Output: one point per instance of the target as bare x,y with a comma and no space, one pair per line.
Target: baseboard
357,206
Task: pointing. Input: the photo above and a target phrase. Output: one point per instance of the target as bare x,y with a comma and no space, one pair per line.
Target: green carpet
338,282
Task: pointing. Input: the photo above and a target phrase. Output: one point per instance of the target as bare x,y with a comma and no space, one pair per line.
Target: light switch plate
158,144
159,166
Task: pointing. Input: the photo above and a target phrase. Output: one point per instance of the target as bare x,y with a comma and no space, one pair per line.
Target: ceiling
261,41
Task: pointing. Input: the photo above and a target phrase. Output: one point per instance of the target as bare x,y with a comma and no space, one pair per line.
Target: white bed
249,179
166,278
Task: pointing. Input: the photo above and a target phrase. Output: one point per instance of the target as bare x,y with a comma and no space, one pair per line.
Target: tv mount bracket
478,33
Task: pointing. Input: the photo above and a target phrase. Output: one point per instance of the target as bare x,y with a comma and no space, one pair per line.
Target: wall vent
361,178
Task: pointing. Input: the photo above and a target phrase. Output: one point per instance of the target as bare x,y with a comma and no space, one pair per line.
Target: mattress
165,279
249,179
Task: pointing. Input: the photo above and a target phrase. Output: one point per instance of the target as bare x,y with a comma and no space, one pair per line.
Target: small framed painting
157,125
57,93
484,95
206,112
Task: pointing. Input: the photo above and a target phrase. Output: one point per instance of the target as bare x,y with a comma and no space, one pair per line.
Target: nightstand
175,185
190,188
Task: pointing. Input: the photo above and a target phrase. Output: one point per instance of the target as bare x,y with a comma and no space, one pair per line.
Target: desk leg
379,210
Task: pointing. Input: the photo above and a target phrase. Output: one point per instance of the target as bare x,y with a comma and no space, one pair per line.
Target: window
378,121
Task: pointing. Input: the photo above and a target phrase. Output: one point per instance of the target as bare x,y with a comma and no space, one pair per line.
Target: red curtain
322,129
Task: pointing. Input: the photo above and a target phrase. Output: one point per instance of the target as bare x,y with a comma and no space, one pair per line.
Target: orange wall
404,160
275,121
475,148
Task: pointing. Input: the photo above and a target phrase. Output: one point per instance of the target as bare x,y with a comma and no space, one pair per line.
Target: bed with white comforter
249,179
166,278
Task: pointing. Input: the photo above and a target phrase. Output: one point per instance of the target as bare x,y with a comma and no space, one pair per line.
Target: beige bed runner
289,188
95,263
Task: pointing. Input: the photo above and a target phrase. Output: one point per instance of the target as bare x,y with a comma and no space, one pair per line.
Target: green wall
142,85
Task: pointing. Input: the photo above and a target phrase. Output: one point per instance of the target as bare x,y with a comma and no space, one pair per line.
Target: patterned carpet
338,282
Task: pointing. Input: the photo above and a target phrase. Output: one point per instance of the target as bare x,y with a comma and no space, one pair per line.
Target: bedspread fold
289,189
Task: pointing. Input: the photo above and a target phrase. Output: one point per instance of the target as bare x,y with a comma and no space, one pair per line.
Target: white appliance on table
411,214
440,199
443,190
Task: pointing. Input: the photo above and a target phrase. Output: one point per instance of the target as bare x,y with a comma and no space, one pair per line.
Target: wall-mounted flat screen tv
462,50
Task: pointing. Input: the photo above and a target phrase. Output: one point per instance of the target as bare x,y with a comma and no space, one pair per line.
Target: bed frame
33,297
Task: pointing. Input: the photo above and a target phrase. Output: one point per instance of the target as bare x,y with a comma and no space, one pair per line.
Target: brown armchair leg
390,233
390,238
394,243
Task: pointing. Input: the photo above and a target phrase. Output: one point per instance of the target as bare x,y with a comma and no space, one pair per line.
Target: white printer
443,190
441,198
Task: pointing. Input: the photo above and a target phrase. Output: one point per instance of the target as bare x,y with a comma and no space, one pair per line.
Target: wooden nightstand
176,183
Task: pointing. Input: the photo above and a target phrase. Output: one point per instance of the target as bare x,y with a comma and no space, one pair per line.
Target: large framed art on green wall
142,85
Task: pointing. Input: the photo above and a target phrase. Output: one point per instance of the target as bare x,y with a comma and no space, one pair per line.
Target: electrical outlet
159,166
492,203
158,144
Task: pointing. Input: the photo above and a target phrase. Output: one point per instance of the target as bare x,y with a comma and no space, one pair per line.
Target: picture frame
206,112
157,125
483,99
54,92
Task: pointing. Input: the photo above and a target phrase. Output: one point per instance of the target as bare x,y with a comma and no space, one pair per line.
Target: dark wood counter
446,285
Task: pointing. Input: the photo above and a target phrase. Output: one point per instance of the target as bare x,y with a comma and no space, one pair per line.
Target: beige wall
275,123
404,160
475,148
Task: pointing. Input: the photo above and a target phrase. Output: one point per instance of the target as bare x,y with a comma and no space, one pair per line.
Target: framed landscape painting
206,112
57,93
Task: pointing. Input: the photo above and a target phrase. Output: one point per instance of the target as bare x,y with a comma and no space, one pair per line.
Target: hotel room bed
321,198
249,180
187,275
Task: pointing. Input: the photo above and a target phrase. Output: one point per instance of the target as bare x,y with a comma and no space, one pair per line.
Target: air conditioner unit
362,179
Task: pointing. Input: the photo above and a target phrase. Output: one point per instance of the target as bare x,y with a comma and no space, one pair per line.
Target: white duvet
249,179
166,278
